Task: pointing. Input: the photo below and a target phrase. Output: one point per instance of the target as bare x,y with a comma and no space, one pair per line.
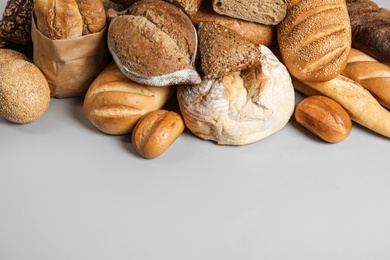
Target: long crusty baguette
371,74
362,107
315,39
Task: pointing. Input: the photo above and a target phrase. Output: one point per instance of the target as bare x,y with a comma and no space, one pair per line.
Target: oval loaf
315,39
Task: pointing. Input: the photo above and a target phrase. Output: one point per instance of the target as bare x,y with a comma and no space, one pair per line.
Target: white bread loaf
370,73
114,103
241,107
315,39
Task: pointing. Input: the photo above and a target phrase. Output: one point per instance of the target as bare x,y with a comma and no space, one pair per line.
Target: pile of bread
233,67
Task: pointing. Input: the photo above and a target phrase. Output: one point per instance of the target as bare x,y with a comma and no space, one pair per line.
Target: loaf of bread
371,74
315,39
324,117
270,12
241,107
24,91
190,7
114,103
10,54
223,51
361,106
15,25
370,28
155,132
157,33
64,19
254,32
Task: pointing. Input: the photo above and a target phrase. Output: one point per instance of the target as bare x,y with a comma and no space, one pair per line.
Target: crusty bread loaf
64,19
24,91
223,51
58,19
254,32
10,54
156,131
93,15
370,28
241,107
324,117
370,73
315,39
190,7
159,33
270,12
15,25
361,106
114,103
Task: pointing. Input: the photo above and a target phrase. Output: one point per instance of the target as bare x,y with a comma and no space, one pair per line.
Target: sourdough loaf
315,39
241,107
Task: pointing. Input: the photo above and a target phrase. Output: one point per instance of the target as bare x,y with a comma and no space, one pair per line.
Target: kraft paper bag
70,65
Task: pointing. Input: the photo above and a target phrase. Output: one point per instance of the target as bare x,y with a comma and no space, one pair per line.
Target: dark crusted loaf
370,28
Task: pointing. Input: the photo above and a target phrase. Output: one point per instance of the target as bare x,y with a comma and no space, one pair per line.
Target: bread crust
93,15
254,32
114,103
315,39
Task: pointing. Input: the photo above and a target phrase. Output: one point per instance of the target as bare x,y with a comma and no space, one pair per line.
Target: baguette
371,74
315,39
362,107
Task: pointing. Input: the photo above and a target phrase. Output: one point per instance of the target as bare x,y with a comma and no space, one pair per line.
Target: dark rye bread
223,51
159,33
370,28
15,25
270,12
315,39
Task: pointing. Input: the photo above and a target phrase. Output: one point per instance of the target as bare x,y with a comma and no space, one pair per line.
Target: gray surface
68,191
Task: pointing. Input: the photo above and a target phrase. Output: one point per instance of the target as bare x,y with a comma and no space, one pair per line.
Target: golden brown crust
190,7
324,117
10,54
361,106
58,19
156,131
114,103
370,73
93,14
315,39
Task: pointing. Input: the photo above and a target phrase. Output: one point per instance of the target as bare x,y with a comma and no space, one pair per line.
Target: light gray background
67,191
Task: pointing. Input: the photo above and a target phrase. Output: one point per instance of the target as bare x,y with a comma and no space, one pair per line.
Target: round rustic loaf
24,91
242,107
154,43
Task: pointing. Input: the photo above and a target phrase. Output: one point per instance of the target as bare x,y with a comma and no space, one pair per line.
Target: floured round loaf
154,43
114,103
241,107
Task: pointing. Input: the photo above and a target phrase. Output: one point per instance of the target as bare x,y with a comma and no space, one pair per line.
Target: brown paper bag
70,65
